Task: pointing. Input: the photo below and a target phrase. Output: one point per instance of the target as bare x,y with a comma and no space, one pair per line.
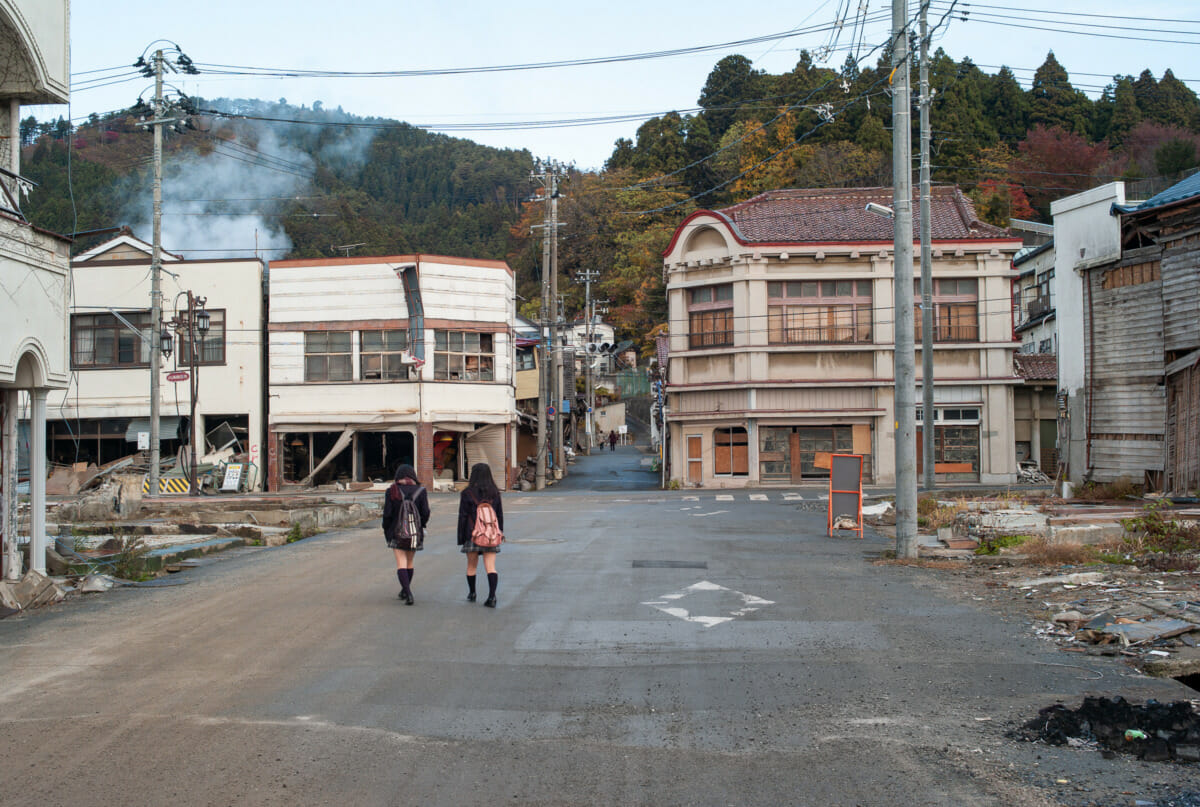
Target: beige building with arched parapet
782,341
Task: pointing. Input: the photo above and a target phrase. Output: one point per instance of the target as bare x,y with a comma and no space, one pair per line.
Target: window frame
215,338
446,355
947,305
107,322
386,351
311,353
710,321
830,306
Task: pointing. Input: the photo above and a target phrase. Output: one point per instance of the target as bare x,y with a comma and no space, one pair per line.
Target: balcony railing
12,188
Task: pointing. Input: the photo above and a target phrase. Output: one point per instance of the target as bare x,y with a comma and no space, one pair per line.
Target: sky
368,35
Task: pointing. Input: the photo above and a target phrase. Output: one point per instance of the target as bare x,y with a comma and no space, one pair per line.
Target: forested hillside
304,182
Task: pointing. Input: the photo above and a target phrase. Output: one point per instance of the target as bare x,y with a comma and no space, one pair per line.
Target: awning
168,428
464,428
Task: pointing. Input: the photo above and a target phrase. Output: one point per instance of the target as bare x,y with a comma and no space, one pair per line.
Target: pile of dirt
1155,732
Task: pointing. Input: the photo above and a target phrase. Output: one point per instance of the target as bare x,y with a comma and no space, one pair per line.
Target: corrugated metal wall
1125,343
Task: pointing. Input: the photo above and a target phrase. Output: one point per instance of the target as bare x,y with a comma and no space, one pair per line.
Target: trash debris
1076,579
1155,732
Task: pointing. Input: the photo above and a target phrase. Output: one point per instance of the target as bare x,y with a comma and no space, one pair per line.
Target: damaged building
381,361
104,413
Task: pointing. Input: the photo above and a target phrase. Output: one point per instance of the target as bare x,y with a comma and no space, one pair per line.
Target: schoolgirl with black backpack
405,514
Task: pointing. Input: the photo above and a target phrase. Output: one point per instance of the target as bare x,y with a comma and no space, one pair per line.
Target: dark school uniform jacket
466,514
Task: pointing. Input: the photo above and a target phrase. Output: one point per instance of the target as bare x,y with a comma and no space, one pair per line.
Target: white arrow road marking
704,515
750,604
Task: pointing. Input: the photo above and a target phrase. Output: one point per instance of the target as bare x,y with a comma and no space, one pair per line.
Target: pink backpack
487,532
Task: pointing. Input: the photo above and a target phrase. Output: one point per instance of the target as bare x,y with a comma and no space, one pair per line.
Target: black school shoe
470,596
490,602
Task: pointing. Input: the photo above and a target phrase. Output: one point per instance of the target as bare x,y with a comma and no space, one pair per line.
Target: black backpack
407,532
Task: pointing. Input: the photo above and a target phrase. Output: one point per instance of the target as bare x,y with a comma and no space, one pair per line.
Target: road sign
178,375
550,411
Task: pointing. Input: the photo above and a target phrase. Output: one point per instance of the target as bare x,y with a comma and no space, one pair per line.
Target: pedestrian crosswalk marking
758,497
724,498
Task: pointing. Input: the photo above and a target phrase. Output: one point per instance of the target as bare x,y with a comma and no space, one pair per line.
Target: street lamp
198,320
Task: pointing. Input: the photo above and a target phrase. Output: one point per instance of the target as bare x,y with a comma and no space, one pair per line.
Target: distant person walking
612,441
405,514
480,490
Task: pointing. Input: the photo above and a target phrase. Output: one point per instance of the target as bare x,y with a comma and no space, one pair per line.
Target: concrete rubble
1153,622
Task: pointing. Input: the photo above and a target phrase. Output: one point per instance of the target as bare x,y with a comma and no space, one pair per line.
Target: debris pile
1152,618
1155,732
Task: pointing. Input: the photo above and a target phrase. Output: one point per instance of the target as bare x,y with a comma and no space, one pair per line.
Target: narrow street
650,647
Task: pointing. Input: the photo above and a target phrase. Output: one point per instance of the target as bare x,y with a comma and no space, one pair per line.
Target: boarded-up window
731,452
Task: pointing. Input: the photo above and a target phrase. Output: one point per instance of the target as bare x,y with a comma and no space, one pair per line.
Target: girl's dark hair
406,471
481,484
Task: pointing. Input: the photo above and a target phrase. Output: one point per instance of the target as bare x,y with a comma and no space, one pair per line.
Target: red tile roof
1036,366
838,215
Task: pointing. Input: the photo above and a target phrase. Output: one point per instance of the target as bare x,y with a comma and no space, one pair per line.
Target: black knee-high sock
403,576
493,579
411,571
470,584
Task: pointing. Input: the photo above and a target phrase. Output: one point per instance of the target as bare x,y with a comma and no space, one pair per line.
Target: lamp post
197,321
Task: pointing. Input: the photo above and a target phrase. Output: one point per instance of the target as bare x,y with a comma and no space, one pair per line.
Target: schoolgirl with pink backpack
481,528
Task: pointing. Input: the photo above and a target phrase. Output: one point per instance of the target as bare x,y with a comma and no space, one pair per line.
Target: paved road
650,648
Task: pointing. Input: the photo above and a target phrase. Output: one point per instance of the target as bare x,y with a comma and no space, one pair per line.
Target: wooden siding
1181,292
825,400
1183,431
1125,361
713,401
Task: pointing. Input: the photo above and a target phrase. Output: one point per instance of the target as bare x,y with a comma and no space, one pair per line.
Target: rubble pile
1155,732
1151,618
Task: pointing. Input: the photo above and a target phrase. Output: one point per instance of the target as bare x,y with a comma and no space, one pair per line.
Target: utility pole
556,363
928,427
550,370
156,275
586,277
903,358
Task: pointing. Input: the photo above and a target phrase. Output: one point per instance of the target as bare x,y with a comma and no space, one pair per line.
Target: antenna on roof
345,248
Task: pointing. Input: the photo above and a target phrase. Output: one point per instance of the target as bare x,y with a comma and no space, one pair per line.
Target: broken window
381,355
101,341
463,356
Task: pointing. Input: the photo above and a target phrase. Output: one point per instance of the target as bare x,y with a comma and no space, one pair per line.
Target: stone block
1085,533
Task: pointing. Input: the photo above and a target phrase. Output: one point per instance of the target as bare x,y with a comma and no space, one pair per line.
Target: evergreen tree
1054,102
1125,112
1006,106
731,83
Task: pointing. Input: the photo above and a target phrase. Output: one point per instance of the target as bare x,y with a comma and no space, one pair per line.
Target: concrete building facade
782,340
99,416
34,272
378,361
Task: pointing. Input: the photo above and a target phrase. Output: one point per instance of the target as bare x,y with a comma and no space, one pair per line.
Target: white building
98,418
378,361
34,267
